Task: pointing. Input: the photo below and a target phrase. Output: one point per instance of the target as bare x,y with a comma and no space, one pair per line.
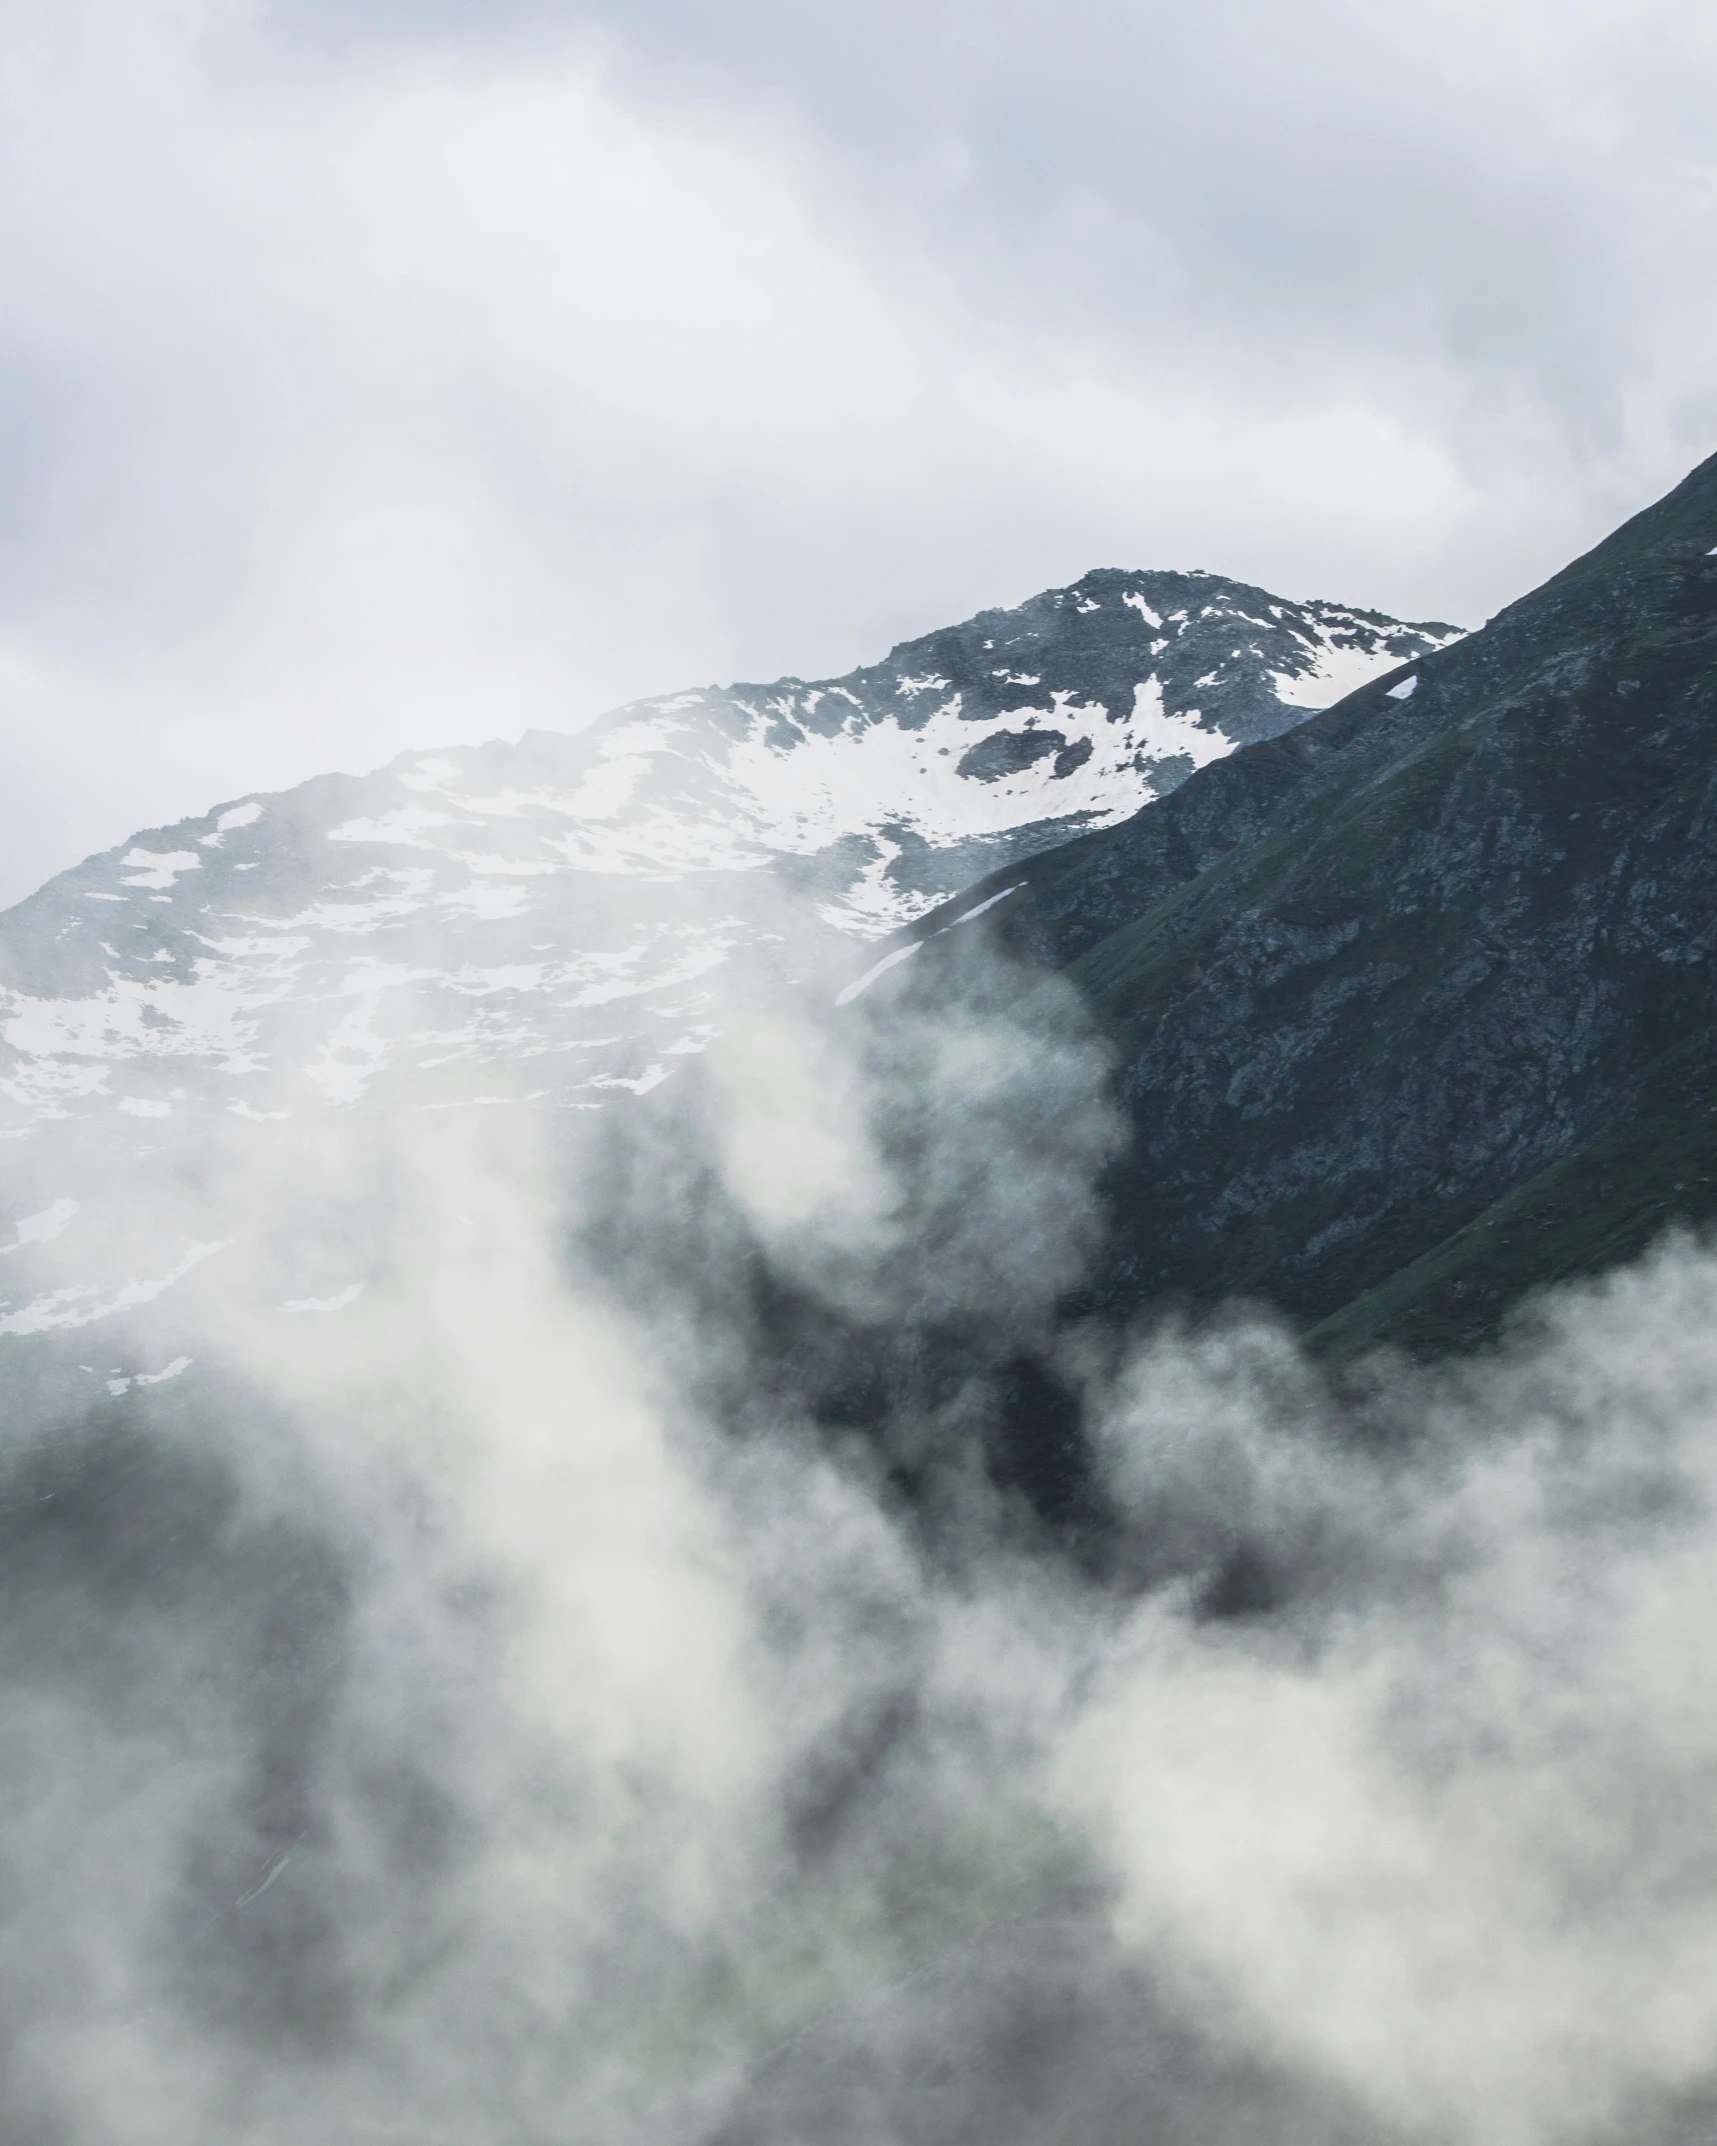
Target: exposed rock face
1368,977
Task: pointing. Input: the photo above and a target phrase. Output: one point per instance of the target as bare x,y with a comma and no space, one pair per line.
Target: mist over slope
499,1709
746,1615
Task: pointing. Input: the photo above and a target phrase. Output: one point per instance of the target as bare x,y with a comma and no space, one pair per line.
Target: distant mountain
1415,1005
587,903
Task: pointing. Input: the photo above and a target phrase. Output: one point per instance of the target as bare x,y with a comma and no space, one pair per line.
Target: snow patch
1161,736
403,829
230,821
1335,672
179,1365
967,915
348,1295
888,961
70,1307
42,1228
159,868
641,1084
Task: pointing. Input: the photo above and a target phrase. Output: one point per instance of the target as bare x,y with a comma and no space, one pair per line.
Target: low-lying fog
517,1704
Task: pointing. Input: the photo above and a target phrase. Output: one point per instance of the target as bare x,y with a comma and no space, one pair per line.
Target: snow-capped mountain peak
583,899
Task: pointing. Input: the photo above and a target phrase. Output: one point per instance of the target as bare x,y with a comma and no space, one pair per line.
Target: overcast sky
380,373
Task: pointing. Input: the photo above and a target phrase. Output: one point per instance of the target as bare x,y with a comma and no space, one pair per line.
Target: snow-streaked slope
581,905
986,741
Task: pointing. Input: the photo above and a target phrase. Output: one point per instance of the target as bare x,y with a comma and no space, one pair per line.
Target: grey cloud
1416,187
389,376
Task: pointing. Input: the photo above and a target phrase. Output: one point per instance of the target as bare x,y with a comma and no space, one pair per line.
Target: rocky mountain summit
586,903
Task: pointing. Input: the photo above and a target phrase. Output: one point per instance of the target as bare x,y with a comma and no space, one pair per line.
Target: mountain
569,918
718,1643
1413,1005
1407,997
584,901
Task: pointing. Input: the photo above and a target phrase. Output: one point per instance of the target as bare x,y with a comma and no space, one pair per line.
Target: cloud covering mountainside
969,1404
478,1702
524,1620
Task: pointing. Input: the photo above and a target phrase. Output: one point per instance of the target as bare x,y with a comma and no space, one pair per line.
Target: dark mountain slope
1366,978
1599,1207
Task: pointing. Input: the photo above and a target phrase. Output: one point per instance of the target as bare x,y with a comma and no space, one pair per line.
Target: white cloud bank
503,1712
